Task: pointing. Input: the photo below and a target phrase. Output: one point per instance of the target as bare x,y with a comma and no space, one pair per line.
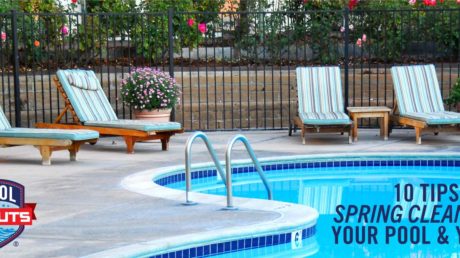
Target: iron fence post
346,13
17,92
171,52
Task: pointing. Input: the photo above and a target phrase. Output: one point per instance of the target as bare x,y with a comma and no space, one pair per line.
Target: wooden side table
367,112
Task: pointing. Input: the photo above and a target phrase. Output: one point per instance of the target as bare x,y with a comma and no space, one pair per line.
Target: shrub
454,96
88,33
151,32
391,31
35,28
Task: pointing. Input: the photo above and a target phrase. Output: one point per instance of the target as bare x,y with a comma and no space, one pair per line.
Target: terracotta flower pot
157,115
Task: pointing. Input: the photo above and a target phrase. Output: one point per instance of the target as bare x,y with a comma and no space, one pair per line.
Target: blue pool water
324,188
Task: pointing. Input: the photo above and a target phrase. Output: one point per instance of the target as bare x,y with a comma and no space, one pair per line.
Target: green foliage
105,23
400,32
6,6
255,32
35,26
150,32
254,5
147,88
316,24
454,97
40,6
115,6
268,35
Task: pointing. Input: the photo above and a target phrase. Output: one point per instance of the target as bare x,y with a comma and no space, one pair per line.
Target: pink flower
364,37
305,1
429,2
190,22
412,2
3,36
202,28
64,30
359,42
342,29
352,4
458,1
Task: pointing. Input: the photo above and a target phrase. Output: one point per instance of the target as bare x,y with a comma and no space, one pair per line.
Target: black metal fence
236,69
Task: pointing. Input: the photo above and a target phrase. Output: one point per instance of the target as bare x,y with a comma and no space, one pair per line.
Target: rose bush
319,26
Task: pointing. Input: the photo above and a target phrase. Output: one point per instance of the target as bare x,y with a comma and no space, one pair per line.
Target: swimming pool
329,182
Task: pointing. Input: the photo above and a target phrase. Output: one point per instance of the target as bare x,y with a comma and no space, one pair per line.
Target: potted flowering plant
152,93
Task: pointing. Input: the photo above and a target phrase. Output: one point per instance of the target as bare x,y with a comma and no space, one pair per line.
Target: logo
15,214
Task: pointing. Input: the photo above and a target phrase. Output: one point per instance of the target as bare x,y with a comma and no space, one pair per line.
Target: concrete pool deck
83,209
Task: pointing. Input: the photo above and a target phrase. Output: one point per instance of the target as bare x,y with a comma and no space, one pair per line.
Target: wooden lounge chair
320,100
46,140
418,101
90,109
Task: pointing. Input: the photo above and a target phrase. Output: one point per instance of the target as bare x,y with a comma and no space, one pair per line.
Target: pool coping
291,216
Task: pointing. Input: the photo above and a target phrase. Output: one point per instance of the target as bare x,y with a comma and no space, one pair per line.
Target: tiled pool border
237,245
179,176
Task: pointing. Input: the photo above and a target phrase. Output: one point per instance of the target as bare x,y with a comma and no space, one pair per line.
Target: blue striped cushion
86,95
58,134
417,89
141,125
329,118
320,97
4,123
436,118
83,80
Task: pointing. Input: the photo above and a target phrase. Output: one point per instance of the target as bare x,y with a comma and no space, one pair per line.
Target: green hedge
394,29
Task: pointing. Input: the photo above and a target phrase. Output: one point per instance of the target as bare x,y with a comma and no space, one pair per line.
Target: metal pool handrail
188,163
228,166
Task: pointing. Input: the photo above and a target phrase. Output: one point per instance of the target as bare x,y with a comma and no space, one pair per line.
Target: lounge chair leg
418,135
354,128
72,154
302,134
45,152
390,128
130,141
165,144
350,137
74,148
386,121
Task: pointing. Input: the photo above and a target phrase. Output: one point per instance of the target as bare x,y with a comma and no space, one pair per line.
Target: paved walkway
82,209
